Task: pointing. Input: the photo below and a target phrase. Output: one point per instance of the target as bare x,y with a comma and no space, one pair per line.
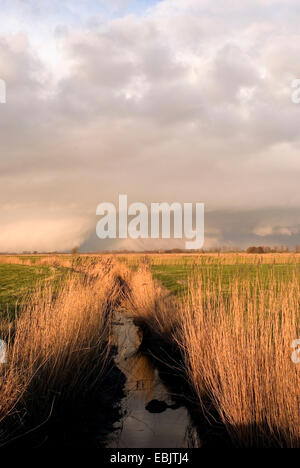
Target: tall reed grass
59,346
236,342
152,306
237,349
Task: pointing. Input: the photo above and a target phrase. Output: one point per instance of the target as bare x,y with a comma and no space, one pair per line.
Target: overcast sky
171,100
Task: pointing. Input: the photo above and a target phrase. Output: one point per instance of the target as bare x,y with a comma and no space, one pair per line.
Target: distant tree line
276,249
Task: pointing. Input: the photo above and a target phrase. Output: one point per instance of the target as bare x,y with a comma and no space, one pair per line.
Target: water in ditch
149,416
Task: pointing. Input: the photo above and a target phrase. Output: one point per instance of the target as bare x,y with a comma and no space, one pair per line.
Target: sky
164,101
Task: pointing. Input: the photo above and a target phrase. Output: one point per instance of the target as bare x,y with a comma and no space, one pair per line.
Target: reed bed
204,259
152,306
237,349
59,347
234,333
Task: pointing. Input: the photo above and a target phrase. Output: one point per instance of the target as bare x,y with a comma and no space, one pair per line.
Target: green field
18,281
175,277
174,271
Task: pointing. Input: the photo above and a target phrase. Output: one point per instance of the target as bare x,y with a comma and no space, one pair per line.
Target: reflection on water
150,418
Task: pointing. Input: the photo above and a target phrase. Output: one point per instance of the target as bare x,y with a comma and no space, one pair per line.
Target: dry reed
60,344
238,355
151,305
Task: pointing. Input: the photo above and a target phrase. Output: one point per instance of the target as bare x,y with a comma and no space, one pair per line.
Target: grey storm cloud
189,102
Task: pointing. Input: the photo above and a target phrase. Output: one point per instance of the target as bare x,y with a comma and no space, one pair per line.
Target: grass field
175,277
18,281
174,271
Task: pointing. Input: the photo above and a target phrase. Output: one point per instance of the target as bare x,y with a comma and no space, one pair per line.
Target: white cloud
263,231
43,234
285,231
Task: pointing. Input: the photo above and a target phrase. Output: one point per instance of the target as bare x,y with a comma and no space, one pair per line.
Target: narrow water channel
150,418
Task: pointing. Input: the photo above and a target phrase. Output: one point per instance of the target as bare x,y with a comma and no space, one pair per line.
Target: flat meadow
229,320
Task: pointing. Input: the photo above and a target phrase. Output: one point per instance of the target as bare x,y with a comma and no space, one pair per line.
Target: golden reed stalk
60,342
238,354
